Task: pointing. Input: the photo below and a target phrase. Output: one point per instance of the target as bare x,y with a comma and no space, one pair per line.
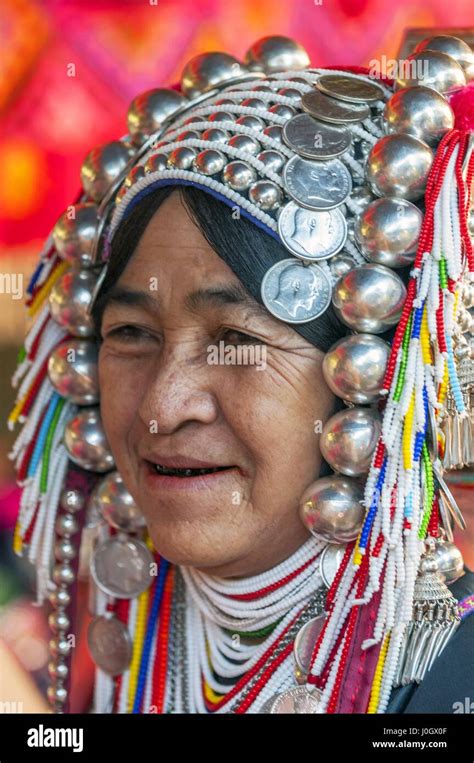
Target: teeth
186,472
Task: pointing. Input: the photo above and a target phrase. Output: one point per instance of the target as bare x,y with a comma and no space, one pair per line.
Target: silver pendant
314,139
312,235
296,700
317,185
349,88
121,567
296,293
328,109
330,561
110,644
304,643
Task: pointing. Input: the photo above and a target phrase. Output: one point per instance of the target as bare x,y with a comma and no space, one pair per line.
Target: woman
231,570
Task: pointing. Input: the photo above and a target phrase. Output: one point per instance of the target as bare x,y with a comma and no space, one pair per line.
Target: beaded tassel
400,494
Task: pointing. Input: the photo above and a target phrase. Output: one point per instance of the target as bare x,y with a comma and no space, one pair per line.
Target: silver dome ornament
63,574
56,694
452,46
215,135
209,162
341,263
75,232
149,110
58,670
156,163
387,232
450,561
69,301
66,525
64,550
220,116
331,508
274,132
239,175
282,110
208,71
254,123
102,166
276,53
136,174
254,103
419,111
265,194
399,165
86,442
181,158
290,92
432,69
245,143
59,621
60,597
348,440
369,298
272,159
72,500
73,371
116,505
354,367
185,135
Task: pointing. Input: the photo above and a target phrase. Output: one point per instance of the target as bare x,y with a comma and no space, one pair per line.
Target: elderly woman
281,367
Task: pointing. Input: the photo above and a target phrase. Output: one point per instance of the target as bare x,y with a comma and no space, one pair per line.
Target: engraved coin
110,644
315,139
349,88
296,700
121,567
305,640
330,561
317,185
310,234
294,292
321,106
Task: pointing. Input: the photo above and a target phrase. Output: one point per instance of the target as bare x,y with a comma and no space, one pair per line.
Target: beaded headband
356,177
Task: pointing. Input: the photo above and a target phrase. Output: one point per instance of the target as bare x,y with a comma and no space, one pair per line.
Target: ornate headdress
357,176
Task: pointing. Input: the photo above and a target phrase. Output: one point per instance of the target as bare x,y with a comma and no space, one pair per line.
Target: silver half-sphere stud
450,561
399,165
149,110
102,166
354,367
86,442
74,234
239,175
73,372
387,232
419,111
349,438
69,301
369,298
432,69
331,508
208,71
116,505
452,46
276,53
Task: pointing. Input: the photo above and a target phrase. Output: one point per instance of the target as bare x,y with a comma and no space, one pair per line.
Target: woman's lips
157,481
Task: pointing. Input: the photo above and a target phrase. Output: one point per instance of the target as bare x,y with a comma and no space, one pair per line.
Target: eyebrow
221,295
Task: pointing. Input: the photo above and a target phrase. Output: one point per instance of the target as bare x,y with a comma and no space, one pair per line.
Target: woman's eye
232,336
129,334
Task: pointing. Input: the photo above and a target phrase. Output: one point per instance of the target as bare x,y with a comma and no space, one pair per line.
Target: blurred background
68,71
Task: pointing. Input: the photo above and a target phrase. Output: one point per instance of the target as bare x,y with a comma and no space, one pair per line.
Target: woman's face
172,399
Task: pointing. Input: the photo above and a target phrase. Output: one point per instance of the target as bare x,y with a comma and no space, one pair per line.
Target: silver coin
317,185
305,640
296,700
349,88
321,106
121,567
296,293
310,234
330,561
315,139
110,644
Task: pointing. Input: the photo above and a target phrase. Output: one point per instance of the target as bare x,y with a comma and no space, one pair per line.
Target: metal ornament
73,371
330,561
399,165
328,109
450,561
122,567
354,367
387,232
86,442
419,111
276,53
332,508
75,232
314,139
369,298
452,46
110,644
317,185
347,88
70,299
115,504
432,69
305,641
295,700
207,71
349,439
149,110
312,235
296,293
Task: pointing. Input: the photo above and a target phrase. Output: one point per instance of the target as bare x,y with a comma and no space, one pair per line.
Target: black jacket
449,685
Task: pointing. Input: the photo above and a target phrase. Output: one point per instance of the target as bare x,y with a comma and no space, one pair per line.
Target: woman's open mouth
187,472
160,476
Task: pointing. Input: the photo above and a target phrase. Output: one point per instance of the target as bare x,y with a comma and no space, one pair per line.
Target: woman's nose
179,390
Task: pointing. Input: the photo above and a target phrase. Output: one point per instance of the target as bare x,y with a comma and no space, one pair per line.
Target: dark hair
246,248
